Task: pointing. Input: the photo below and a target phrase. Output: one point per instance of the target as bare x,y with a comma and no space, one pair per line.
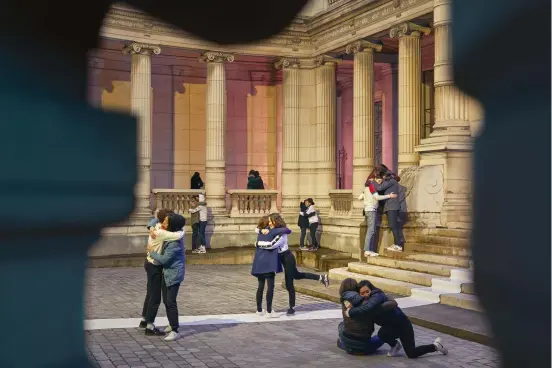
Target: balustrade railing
177,200
341,203
252,203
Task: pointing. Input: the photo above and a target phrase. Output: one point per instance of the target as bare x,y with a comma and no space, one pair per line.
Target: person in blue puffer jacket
173,260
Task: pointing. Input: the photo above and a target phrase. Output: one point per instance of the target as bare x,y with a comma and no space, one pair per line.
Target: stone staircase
434,268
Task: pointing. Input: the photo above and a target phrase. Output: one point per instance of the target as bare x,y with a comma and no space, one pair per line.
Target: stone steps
455,261
392,286
441,240
445,250
451,233
461,300
416,266
396,274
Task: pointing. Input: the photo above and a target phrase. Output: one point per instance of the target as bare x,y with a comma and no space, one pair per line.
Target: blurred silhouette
511,256
70,169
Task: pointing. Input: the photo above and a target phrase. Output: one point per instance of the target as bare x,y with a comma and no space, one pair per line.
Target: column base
456,215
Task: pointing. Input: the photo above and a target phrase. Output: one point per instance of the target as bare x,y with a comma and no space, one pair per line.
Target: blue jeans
369,245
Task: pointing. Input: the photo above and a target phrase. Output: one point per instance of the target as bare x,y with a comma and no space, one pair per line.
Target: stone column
141,105
451,137
364,125
290,134
215,127
325,130
410,91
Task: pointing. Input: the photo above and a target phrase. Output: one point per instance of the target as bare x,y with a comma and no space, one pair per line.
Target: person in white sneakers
201,208
371,201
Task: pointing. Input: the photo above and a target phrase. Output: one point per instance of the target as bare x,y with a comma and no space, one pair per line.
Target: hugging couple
164,267
271,253
362,306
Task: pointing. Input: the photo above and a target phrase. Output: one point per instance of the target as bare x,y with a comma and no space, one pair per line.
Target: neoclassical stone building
349,84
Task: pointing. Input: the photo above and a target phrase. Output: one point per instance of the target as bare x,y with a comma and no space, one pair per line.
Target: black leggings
313,227
153,295
292,273
269,278
404,332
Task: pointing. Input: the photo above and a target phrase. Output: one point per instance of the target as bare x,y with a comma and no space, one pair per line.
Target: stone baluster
141,105
215,151
364,124
325,86
410,90
290,134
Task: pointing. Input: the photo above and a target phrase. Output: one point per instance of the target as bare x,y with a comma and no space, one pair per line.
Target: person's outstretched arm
370,306
168,235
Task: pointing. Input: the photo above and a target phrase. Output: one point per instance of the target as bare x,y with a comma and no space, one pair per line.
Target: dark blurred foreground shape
502,57
69,169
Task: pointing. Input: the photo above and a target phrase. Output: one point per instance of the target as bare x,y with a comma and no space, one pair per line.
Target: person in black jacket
386,183
254,180
196,182
394,323
303,223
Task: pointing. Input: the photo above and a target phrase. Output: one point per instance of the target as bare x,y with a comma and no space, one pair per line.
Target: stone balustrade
177,200
341,203
252,203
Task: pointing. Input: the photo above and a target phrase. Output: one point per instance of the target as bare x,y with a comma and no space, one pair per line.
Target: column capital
326,60
141,49
216,57
361,46
285,63
407,29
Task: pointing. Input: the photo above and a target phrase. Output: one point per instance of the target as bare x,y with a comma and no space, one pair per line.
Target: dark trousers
358,346
396,227
405,333
302,237
292,273
153,296
170,294
147,298
202,227
313,227
195,235
269,278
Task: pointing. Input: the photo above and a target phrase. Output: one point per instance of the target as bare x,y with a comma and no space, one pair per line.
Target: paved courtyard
216,290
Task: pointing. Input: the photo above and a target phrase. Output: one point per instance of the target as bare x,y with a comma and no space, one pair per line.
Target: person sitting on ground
172,258
394,323
266,263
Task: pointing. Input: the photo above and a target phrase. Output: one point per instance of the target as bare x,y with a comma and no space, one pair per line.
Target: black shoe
154,332
143,324
290,312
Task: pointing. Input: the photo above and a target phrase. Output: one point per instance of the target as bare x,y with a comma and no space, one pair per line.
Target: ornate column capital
361,45
326,60
141,49
285,63
216,57
407,29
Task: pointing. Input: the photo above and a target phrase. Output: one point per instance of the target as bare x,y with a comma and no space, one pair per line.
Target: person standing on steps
388,184
194,222
371,200
173,260
313,223
201,208
303,223
289,263
196,182
266,263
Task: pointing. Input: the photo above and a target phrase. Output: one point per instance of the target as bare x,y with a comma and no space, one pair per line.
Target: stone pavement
116,293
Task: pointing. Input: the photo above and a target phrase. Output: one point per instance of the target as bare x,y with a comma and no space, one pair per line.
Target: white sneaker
167,329
439,346
195,251
202,250
395,248
172,336
260,314
394,351
374,254
273,314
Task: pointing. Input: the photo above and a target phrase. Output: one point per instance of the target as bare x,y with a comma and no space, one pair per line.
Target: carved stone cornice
285,63
407,29
216,57
141,49
361,45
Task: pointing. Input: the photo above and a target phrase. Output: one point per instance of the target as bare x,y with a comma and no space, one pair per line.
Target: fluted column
325,130
410,91
290,134
141,105
215,150
364,124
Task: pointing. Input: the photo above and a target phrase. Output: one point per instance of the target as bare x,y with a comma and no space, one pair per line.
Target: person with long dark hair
196,182
172,259
394,323
303,223
312,215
